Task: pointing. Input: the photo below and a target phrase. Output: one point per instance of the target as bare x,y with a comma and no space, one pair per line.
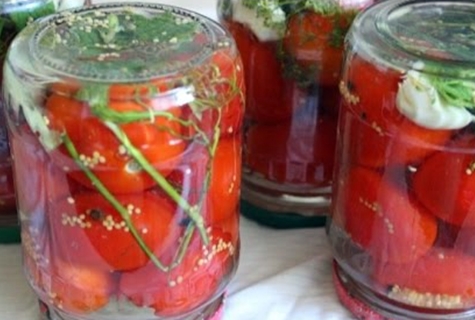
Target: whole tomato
158,140
87,219
195,280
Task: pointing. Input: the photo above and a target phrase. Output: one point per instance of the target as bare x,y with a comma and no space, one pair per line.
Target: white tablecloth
282,274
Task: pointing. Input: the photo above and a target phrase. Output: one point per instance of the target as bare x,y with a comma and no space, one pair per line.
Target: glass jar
292,53
403,222
15,15
124,122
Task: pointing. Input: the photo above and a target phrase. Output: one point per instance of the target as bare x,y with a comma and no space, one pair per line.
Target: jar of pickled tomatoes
402,226
292,52
15,15
124,122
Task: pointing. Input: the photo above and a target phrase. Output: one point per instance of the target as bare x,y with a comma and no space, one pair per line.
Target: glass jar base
10,234
365,304
279,206
212,311
280,220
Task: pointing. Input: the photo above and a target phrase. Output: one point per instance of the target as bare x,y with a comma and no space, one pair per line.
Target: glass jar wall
401,227
292,52
15,15
125,126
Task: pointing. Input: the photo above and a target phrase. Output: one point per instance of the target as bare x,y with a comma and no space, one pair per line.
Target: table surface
282,274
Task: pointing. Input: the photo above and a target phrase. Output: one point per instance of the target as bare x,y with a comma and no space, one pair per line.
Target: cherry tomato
385,136
233,90
445,183
109,234
223,190
77,289
190,284
225,184
100,150
382,218
442,272
312,40
295,152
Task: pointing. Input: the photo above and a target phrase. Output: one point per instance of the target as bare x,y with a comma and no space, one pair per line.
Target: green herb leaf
22,18
457,93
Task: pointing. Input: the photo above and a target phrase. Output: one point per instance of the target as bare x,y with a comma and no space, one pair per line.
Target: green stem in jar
113,201
193,211
185,242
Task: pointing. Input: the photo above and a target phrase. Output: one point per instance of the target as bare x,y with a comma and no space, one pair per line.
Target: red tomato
442,272
77,289
34,170
312,40
231,70
381,217
107,231
292,152
445,183
384,135
269,98
225,185
195,280
69,238
223,190
101,150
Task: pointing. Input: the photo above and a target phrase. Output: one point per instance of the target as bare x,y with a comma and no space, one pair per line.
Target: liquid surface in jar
131,140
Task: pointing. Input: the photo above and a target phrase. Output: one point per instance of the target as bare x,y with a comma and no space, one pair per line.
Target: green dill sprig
124,42
269,11
455,92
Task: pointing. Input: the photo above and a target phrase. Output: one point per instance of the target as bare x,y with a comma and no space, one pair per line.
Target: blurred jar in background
402,228
292,53
15,15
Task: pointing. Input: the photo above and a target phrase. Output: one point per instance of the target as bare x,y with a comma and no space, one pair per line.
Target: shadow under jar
292,53
14,16
403,220
125,125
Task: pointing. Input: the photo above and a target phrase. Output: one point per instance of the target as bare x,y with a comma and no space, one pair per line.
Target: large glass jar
14,16
292,53
402,226
125,127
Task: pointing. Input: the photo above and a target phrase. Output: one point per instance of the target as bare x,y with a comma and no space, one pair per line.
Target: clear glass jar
292,52
124,122
402,223
15,15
